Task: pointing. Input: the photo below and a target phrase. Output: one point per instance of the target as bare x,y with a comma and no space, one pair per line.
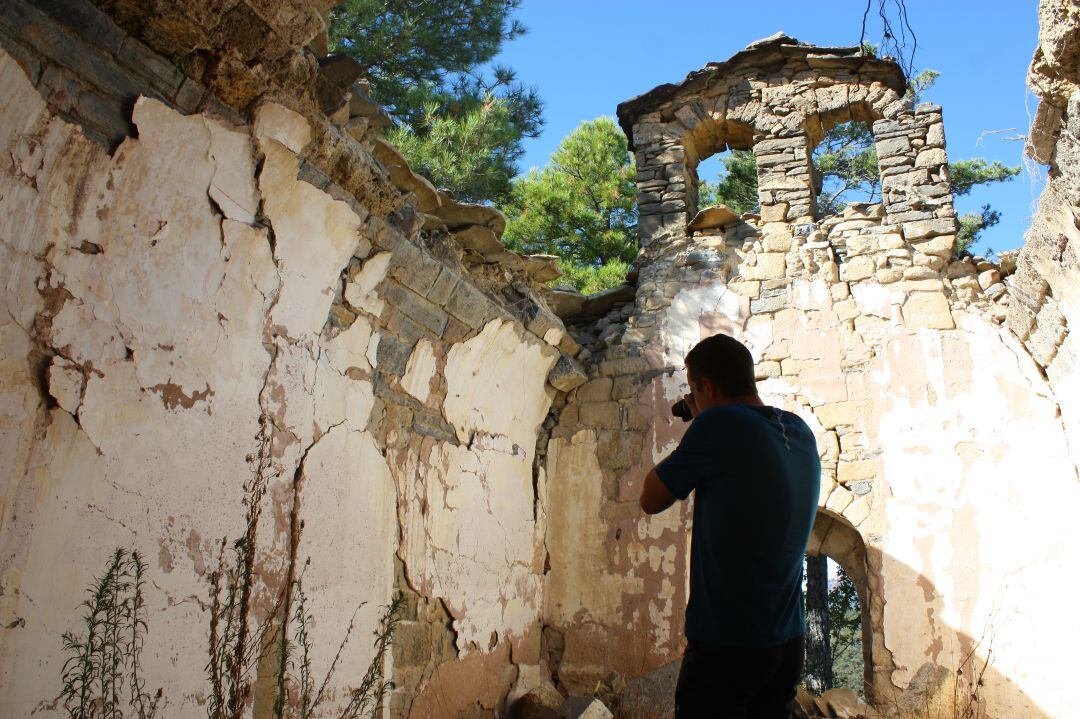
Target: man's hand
655,497
691,404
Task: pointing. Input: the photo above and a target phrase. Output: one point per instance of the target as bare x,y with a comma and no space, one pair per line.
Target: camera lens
681,410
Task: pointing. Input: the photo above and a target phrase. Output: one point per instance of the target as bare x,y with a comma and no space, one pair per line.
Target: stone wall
224,291
233,302
935,424
1045,302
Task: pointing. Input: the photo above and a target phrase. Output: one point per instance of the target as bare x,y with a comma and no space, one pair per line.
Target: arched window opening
845,168
729,178
838,639
720,167
834,649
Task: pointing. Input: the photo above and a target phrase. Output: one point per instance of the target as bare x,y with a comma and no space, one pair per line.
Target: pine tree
845,633
460,124
581,207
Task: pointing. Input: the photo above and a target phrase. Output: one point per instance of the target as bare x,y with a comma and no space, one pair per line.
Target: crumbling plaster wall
233,283
201,305
940,437
151,369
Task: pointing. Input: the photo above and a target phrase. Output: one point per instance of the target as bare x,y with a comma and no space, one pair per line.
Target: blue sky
586,56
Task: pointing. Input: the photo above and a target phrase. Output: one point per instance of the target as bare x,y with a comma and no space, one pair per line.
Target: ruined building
222,289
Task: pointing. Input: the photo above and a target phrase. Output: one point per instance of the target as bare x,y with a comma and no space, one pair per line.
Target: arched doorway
833,537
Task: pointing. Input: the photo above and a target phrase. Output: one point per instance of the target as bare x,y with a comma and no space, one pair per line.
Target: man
755,474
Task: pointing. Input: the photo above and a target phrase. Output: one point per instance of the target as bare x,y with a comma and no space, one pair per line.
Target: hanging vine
897,36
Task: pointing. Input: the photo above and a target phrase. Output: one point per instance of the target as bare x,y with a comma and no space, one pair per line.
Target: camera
681,410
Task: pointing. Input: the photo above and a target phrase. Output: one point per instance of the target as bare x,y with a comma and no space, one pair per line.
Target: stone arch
714,134
834,537
837,108
778,97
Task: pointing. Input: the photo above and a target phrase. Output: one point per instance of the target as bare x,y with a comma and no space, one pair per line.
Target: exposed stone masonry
863,323
1048,264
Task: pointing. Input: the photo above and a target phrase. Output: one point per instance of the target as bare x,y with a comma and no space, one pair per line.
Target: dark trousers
738,683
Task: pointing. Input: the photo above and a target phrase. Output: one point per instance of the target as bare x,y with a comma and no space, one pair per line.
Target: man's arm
655,497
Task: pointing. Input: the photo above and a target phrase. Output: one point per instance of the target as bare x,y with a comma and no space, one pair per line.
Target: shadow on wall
948,684
957,671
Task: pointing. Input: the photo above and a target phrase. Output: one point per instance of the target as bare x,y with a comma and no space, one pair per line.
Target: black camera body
681,410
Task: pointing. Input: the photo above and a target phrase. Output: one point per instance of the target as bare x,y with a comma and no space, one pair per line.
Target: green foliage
846,162
845,633
581,206
971,226
590,279
101,674
920,84
472,151
966,174
406,46
462,127
737,187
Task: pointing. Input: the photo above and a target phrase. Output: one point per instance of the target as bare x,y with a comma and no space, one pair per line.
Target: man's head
720,370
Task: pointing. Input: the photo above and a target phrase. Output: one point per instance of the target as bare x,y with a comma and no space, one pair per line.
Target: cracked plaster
469,533
173,299
166,297
165,350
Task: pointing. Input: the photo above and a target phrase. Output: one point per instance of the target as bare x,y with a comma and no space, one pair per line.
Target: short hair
724,361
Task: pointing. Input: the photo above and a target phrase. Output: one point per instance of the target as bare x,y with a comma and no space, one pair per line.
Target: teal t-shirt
756,476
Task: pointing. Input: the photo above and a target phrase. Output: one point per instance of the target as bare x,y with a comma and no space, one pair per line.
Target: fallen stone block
804,706
427,198
584,708
843,703
652,695
462,214
361,105
336,74
542,268
542,702
566,301
712,217
480,239
567,374
602,302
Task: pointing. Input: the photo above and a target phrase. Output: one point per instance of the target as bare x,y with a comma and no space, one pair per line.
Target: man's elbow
651,506
655,497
